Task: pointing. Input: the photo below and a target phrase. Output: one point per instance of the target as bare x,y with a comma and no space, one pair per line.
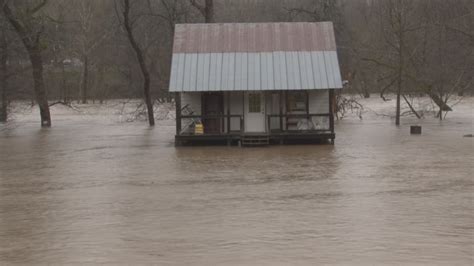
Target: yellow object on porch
198,129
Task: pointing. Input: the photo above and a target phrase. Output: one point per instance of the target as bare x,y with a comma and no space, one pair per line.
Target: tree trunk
3,77
100,84
85,79
62,92
40,90
399,86
31,41
400,72
209,11
206,10
397,115
141,61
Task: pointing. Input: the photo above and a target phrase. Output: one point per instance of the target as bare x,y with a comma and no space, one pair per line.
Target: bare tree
3,74
141,60
29,28
206,9
446,67
172,12
163,16
396,25
90,37
318,10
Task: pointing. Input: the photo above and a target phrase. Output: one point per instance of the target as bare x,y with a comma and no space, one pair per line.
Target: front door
212,106
255,112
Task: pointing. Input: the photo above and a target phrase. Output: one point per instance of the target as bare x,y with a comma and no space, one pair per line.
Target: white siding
319,104
318,101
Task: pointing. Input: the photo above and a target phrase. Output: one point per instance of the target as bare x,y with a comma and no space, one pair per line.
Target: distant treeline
397,46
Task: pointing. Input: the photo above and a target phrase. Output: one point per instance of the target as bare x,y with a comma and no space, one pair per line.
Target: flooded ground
93,190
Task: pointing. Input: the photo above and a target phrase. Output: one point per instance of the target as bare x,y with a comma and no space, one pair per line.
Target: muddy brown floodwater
91,190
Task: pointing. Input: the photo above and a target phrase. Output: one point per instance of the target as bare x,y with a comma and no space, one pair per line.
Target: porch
320,137
239,118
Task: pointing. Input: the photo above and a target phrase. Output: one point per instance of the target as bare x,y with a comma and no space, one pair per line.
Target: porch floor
276,137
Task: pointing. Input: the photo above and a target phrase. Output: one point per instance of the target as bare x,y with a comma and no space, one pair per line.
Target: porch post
331,110
228,112
281,111
242,121
286,106
177,100
307,106
269,123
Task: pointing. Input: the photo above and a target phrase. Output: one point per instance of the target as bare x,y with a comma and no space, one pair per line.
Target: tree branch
411,107
199,7
38,7
16,24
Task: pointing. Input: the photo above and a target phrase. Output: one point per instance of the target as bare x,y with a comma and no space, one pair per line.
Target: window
255,103
297,101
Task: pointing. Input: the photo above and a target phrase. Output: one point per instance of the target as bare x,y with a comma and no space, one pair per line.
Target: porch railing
225,122
301,122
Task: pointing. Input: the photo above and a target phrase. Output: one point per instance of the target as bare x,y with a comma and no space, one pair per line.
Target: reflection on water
93,192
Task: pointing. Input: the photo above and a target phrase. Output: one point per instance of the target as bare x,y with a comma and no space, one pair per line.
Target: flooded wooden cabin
254,83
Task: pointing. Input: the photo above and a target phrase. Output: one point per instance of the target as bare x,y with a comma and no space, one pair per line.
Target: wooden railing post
269,119
228,112
286,110
177,100
331,110
281,111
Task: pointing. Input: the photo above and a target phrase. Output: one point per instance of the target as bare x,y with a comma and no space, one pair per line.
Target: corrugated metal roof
261,56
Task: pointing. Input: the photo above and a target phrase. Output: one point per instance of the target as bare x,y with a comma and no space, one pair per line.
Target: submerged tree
416,48
3,73
393,48
90,38
446,66
128,25
29,26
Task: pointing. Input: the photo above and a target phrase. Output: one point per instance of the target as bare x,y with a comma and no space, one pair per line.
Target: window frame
254,102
